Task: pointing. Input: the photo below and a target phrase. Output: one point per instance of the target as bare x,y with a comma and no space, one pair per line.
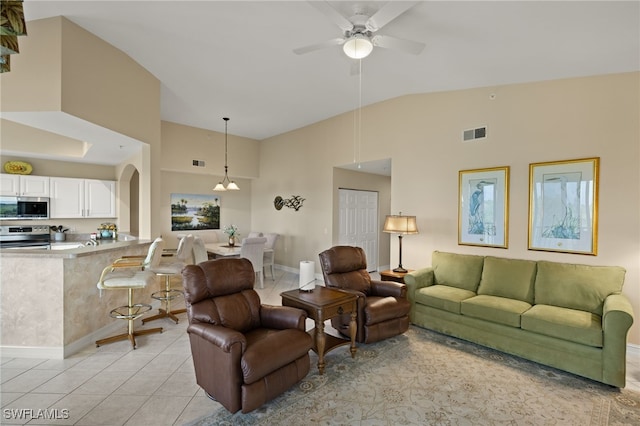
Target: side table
398,277
321,304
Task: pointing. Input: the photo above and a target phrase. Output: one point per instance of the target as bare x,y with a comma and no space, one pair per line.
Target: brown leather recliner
383,308
244,353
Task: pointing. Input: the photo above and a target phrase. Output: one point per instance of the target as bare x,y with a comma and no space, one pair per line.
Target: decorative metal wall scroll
295,202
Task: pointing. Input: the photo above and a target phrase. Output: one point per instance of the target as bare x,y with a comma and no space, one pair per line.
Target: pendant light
231,185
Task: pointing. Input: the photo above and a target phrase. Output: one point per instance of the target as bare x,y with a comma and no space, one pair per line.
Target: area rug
426,378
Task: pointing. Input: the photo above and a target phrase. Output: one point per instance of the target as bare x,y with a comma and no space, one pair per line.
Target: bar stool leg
166,296
133,312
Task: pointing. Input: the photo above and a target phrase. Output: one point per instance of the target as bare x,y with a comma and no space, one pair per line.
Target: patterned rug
425,378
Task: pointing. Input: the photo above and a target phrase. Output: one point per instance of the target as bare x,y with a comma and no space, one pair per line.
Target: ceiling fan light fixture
358,46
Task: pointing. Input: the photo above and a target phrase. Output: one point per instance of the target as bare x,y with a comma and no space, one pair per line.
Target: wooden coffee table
322,304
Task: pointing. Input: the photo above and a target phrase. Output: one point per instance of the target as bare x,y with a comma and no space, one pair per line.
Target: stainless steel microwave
20,208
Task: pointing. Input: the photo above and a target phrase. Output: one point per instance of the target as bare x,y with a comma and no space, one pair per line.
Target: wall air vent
473,134
198,163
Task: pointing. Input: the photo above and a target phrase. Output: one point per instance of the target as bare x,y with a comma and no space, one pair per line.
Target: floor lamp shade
402,225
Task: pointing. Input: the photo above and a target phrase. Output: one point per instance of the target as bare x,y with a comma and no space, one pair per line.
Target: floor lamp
399,224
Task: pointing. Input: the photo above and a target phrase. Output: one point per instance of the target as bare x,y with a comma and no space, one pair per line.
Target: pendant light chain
231,185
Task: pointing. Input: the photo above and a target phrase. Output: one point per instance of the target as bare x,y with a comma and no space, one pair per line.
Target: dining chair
199,251
253,249
269,252
254,234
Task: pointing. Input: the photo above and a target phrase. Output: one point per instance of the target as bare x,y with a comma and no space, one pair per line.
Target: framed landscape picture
483,207
563,206
194,211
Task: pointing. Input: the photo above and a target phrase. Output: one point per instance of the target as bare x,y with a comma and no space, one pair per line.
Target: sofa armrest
222,337
282,317
388,288
418,279
617,318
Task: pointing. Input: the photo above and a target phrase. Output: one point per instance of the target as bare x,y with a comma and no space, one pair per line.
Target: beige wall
544,121
235,206
180,146
63,69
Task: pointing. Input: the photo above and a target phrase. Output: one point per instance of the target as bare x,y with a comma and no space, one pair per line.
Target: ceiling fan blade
318,46
335,16
388,13
388,42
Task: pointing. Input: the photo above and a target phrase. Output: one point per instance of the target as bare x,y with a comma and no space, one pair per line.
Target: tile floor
115,385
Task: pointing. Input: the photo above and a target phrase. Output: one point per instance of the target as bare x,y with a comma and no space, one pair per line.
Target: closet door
359,223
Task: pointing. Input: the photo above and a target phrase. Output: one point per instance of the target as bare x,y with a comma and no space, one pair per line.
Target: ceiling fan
359,31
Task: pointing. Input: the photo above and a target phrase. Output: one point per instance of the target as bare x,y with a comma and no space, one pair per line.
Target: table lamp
399,224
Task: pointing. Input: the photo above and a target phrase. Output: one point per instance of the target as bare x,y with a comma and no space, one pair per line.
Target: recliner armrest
388,288
220,336
282,317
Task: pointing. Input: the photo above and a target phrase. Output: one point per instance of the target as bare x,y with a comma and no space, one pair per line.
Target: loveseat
567,316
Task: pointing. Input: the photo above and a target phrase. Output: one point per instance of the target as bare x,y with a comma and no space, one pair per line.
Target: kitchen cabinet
100,198
24,185
82,198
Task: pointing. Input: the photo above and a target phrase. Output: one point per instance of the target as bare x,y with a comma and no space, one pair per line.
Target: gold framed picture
483,207
563,206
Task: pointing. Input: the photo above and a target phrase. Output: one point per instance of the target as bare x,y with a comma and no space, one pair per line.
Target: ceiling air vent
198,163
473,134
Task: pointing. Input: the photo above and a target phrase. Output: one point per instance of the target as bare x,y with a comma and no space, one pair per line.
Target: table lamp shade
398,224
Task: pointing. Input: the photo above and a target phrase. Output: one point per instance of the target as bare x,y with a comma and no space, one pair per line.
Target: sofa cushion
457,270
510,278
495,309
568,324
580,287
443,297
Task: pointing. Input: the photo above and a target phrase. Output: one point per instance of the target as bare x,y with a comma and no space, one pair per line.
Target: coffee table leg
352,331
320,345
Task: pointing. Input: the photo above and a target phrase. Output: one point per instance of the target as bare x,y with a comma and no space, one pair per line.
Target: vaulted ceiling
236,59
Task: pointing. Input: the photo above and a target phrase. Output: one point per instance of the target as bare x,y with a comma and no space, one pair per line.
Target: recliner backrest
345,267
221,292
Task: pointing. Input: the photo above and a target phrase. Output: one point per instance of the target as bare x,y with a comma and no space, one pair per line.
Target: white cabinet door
24,185
100,198
9,185
67,198
34,186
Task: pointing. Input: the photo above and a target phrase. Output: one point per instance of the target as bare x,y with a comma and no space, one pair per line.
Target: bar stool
168,270
130,273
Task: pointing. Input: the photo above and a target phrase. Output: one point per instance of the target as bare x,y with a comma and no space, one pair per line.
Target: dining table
220,250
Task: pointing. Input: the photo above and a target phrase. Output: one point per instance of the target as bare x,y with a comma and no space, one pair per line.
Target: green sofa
567,316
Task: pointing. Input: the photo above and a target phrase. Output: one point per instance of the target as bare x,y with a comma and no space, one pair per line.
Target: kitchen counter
49,304
58,249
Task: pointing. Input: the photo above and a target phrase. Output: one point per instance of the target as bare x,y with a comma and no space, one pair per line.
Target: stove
25,236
